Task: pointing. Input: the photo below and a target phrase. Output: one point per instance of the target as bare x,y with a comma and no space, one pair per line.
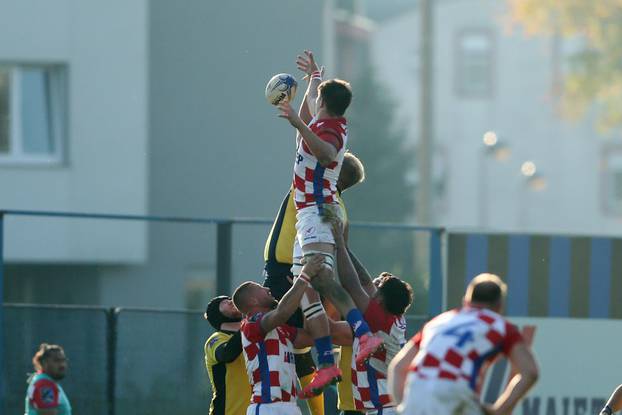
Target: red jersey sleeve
45,394
512,336
377,318
251,328
331,136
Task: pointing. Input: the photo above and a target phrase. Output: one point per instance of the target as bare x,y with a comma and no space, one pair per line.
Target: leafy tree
595,72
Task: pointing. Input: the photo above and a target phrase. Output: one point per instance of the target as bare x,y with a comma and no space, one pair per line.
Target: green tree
595,73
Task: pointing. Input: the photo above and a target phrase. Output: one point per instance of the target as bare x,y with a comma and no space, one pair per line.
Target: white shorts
438,396
274,408
310,227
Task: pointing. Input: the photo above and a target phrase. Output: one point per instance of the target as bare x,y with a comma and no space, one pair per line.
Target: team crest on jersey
213,341
47,395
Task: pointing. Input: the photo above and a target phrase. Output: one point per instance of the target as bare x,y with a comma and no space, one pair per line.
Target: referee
224,361
278,253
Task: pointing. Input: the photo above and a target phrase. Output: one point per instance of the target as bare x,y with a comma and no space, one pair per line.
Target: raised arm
291,300
345,269
398,369
525,364
324,151
306,63
365,279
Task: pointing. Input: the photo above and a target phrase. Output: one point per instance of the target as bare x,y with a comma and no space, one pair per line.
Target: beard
57,376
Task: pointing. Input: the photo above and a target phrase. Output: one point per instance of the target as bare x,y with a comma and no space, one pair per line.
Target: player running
383,302
224,360
268,343
279,260
321,146
439,370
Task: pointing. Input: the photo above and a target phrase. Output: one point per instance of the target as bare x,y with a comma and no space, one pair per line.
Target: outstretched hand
287,112
306,63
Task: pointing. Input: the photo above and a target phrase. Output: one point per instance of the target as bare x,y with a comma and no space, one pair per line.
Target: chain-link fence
121,361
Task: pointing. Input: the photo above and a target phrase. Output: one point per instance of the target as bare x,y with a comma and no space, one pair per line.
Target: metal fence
121,361
413,252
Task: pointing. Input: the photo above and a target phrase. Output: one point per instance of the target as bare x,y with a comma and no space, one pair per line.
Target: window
32,113
612,180
474,64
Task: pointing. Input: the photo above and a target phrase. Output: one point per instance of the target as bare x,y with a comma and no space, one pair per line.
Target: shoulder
251,327
216,340
44,393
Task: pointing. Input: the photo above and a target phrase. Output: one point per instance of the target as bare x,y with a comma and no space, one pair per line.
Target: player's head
334,95
50,359
352,172
394,294
486,290
221,310
251,296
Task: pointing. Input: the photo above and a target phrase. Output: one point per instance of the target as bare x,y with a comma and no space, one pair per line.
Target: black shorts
277,278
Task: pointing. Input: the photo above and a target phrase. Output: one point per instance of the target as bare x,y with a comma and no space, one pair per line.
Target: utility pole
423,202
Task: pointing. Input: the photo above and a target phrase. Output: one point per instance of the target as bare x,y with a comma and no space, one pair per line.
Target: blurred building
153,107
488,76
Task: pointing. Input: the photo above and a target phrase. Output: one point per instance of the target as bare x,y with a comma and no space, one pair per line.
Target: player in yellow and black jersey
231,391
279,259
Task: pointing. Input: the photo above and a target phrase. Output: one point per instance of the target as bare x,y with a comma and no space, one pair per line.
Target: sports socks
324,346
355,319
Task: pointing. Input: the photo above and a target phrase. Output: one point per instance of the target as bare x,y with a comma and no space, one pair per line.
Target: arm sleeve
331,136
252,328
230,350
512,337
45,394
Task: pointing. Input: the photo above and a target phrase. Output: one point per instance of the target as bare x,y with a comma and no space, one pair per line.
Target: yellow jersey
280,243
345,400
231,391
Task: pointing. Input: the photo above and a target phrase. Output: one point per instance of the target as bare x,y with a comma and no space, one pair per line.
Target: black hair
397,294
336,95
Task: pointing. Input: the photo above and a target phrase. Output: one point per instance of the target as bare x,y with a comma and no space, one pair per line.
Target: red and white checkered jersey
316,185
269,361
457,344
369,380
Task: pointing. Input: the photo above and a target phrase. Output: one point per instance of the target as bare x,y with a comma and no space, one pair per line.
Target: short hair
486,289
336,94
44,352
240,295
397,294
352,171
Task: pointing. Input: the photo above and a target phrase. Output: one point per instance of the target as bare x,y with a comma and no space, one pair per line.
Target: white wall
522,109
104,47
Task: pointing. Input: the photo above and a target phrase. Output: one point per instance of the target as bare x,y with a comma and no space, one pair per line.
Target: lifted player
321,146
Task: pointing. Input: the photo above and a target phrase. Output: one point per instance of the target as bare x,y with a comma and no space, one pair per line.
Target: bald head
250,296
486,290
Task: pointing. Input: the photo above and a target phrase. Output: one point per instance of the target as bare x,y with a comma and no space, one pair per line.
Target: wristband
316,75
305,278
